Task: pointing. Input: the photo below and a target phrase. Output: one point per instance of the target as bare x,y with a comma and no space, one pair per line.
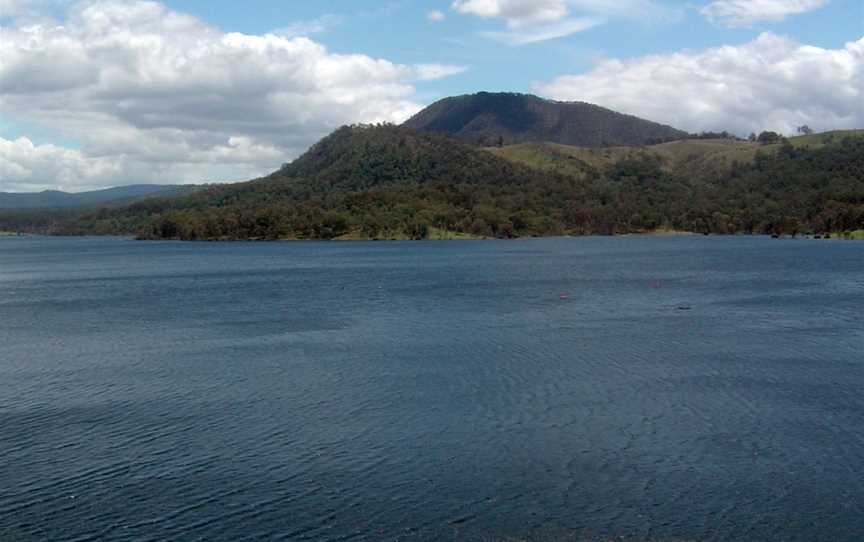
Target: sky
112,92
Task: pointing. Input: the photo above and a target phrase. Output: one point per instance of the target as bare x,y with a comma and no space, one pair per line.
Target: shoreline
668,233
443,235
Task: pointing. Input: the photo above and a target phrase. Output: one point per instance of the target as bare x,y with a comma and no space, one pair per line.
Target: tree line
386,182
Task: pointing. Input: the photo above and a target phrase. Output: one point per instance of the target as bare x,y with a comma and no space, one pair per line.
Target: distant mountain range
505,118
54,199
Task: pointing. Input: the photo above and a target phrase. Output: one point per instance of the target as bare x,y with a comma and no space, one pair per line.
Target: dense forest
388,182
503,118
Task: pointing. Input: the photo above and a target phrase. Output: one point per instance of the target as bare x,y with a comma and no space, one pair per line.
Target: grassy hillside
493,118
696,158
825,138
693,157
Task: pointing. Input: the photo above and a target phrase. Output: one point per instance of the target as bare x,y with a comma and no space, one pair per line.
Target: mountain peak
492,118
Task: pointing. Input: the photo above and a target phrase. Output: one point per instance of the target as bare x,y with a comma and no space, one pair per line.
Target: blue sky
400,31
99,93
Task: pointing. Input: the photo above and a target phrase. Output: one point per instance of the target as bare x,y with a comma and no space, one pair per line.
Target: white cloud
770,83
436,16
22,163
738,13
545,32
25,166
319,25
515,12
152,94
532,21
9,8
431,72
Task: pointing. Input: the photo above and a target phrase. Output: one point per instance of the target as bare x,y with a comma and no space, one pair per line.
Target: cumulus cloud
26,166
742,13
22,163
770,83
144,88
532,21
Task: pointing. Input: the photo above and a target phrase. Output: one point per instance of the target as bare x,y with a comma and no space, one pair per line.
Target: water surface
556,389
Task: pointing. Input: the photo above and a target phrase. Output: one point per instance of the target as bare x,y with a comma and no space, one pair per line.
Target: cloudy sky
104,93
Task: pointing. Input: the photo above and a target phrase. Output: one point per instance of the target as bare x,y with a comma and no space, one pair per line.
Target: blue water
557,389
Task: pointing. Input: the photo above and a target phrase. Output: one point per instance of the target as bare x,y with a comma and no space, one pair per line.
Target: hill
364,157
388,182
824,138
58,200
380,181
691,157
505,118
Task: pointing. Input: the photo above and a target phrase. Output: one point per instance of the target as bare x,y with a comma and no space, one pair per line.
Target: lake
648,388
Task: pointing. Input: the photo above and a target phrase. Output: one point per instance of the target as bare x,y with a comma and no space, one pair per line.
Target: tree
393,191
768,138
804,130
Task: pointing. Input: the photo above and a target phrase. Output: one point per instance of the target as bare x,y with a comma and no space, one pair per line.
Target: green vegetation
690,157
388,182
826,138
437,234
498,119
432,234
857,235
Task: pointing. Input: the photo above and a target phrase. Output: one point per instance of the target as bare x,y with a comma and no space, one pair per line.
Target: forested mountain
56,199
362,157
506,118
389,182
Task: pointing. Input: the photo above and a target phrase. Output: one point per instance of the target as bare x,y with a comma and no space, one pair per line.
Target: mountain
496,118
395,181
389,182
367,156
357,159
57,200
